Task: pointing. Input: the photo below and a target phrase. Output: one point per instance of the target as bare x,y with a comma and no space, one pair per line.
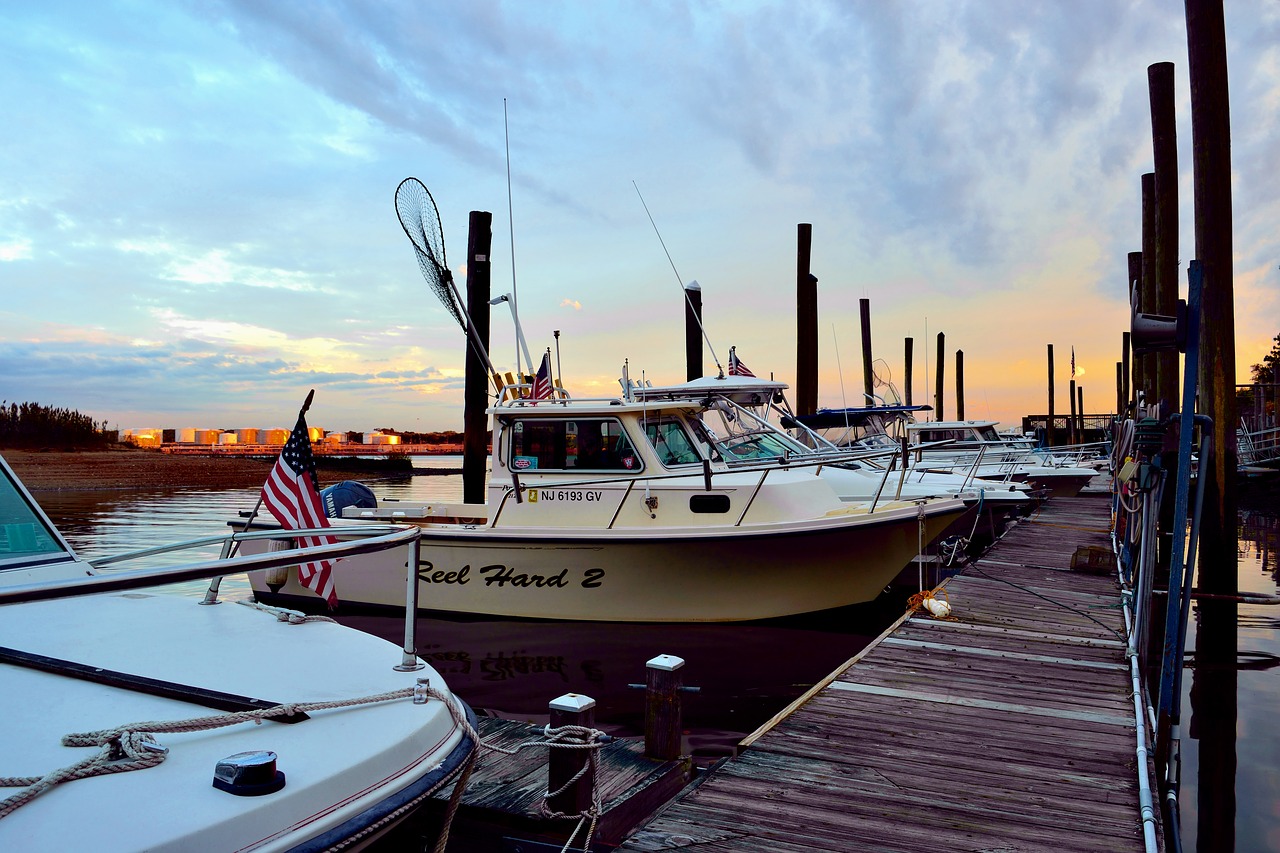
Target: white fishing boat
624,509
948,445
143,719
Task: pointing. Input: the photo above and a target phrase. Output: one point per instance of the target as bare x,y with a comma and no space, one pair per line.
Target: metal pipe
409,661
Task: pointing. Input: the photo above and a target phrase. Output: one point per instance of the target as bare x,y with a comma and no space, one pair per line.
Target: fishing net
421,221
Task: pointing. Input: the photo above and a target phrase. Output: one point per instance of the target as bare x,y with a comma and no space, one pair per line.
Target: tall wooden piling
475,422
1149,277
1080,411
868,374
1164,264
1216,640
1072,436
959,384
907,371
806,324
1133,363
938,411
1049,430
1119,389
1125,349
693,331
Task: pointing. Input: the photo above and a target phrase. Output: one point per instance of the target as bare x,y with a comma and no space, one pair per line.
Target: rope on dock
1118,634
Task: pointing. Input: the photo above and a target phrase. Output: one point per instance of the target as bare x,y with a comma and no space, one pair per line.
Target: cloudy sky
197,220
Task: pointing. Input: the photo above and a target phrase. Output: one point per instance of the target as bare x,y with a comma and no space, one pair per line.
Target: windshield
671,442
24,531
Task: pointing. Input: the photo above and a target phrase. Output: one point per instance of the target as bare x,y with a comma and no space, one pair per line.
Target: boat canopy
854,416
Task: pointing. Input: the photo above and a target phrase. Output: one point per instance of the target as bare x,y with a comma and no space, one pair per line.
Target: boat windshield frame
27,536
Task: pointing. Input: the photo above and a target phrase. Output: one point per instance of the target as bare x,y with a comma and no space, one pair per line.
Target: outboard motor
339,496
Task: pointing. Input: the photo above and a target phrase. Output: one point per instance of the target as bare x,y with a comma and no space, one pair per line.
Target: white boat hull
717,573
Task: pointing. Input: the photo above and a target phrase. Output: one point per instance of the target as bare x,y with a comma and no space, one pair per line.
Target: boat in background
958,445
264,734
624,509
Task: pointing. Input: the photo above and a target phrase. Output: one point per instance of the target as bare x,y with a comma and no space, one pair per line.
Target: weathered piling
475,423
569,769
959,384
1148,288
1071,420
663,718
1216,637
1164,264
868,378
907,372
1048,427
1119,389
938,411
1124,358
693,331
1080,411
1135,302
806,324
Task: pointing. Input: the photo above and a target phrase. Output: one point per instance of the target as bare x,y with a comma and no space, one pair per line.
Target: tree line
36,425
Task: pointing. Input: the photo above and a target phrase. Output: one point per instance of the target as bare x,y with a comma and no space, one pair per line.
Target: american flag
1073,362
542,382
292,494
736,367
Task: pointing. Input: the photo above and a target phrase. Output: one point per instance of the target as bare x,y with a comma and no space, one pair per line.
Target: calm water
1230,749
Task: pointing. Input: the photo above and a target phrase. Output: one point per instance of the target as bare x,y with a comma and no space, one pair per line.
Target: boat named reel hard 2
623,509
368,731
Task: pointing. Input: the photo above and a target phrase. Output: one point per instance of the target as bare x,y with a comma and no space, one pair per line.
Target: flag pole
230,547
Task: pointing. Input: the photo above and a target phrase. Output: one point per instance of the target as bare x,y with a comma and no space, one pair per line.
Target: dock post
1071,422
475,394
959,384
563,765
806,324
868,373
663,721
938,414
1048,427
907,379
693,330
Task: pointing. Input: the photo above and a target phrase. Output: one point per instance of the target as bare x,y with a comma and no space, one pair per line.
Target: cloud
571,303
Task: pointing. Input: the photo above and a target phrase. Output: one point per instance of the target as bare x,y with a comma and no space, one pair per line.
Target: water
1230,749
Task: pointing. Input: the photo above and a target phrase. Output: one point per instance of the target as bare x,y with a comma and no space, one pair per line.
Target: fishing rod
511,229
683,289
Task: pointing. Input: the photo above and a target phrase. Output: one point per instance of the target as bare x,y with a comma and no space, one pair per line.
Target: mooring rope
292,617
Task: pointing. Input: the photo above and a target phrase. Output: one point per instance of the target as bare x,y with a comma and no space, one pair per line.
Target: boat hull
716,574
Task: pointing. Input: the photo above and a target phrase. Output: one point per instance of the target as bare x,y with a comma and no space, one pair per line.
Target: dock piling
570,774
663,716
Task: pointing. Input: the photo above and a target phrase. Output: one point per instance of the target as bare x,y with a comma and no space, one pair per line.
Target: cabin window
672,444
583,444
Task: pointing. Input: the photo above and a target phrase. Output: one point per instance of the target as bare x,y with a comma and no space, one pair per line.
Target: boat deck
1006,727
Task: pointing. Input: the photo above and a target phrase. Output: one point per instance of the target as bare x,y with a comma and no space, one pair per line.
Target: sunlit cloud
15,250
571,303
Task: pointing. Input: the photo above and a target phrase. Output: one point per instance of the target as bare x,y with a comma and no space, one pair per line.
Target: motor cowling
348,493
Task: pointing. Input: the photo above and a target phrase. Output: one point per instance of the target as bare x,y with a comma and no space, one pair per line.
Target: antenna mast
680,281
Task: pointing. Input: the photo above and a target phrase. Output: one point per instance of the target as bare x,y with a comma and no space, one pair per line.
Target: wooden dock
1008,727
499,810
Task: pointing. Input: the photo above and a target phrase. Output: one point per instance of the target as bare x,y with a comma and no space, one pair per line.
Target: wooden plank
1007,727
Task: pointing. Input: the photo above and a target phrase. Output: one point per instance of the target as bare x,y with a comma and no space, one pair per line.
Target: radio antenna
511,228
680,281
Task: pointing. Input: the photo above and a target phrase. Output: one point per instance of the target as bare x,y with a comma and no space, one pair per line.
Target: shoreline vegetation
123,467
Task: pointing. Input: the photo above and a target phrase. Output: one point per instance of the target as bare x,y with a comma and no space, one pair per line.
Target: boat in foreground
139,718
624,509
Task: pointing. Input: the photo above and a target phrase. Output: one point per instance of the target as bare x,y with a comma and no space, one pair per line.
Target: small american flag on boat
736,367
292,494
542,382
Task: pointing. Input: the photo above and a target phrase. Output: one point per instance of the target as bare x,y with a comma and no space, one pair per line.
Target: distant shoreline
125,468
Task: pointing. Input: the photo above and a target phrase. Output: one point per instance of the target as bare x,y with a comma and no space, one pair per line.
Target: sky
197,222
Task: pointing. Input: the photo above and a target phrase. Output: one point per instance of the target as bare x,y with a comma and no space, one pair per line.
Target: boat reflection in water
744,673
